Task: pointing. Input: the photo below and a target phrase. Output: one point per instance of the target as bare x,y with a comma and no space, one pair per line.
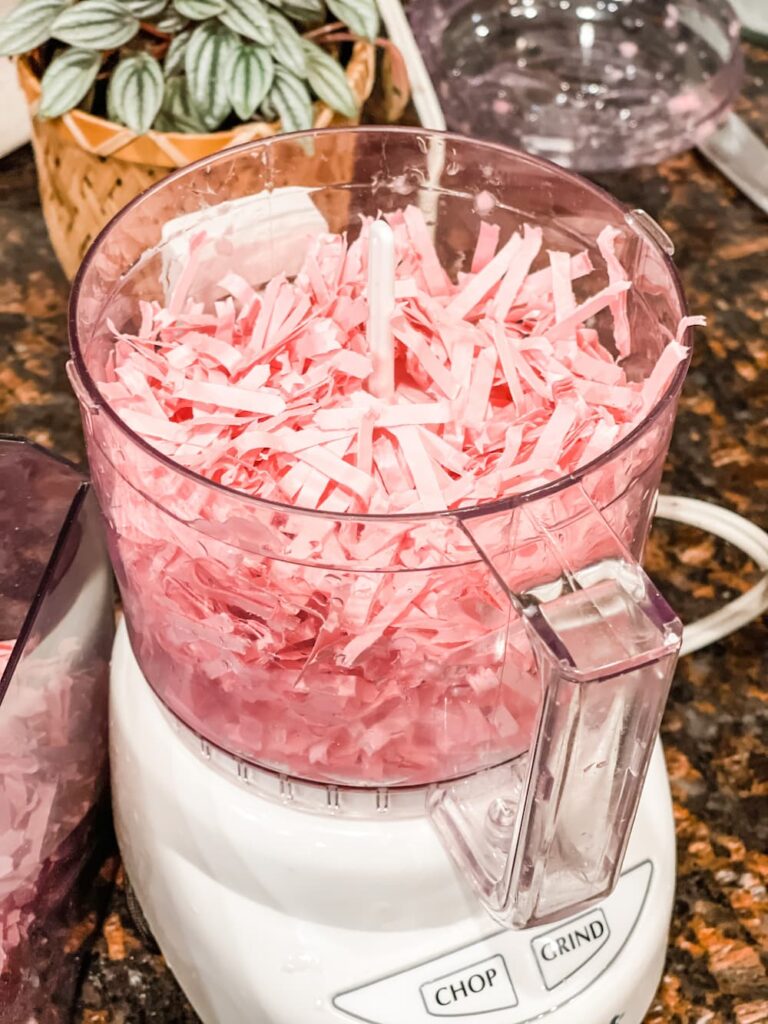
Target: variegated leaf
178,113
290,98
67,80
28,25
135,92
207,59
143,9
250,79
173,62
249,18
95,25
362,16
170,21
287,49
327,80
306,12
199,10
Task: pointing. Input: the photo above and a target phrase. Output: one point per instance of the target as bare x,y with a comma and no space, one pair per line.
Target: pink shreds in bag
51,771
15,918
346,652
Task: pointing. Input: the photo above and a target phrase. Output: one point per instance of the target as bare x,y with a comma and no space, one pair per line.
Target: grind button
478,988
564,950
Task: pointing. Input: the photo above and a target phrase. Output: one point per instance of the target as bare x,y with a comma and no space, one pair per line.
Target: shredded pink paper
379,652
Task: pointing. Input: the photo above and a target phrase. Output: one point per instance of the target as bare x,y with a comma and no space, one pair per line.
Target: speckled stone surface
716,726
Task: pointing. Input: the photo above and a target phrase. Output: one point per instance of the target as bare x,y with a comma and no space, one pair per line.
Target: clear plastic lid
594,85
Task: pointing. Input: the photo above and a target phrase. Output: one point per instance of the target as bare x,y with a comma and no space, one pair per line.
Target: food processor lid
593,86
41,496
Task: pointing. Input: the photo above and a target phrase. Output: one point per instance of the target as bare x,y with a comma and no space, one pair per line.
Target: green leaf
251,74
178,113
173,61
249,18
95,25
143,9
170,21
207,59
287,49
362,16
28,25
290,98
135,92
199,10
67,80
307,12
328,81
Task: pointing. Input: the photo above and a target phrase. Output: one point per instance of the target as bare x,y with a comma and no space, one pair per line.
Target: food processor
321,819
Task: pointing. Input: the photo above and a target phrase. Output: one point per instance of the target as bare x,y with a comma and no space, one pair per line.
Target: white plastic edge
422,90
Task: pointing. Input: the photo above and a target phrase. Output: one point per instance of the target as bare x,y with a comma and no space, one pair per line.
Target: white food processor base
269,914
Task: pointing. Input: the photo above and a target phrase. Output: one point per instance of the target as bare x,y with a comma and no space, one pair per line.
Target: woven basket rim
103,137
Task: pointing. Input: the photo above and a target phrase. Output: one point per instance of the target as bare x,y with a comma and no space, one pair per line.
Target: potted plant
123,91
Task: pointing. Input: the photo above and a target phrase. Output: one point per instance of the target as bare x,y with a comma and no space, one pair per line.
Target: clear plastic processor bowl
280,633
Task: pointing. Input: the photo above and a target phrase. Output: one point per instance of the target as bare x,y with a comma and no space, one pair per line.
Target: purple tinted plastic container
591,84
56,625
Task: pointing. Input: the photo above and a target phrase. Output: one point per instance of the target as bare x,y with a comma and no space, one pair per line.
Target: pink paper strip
487,242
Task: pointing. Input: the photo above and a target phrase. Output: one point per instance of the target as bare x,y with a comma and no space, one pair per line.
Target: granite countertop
716,726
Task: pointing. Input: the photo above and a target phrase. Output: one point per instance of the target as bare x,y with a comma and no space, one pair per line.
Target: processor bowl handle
543,836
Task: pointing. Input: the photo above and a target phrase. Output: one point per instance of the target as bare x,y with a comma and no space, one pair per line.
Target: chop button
478,988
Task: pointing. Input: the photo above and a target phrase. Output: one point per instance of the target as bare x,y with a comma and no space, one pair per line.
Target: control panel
510,976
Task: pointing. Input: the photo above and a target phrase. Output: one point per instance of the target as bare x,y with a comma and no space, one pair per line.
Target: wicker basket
88,168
